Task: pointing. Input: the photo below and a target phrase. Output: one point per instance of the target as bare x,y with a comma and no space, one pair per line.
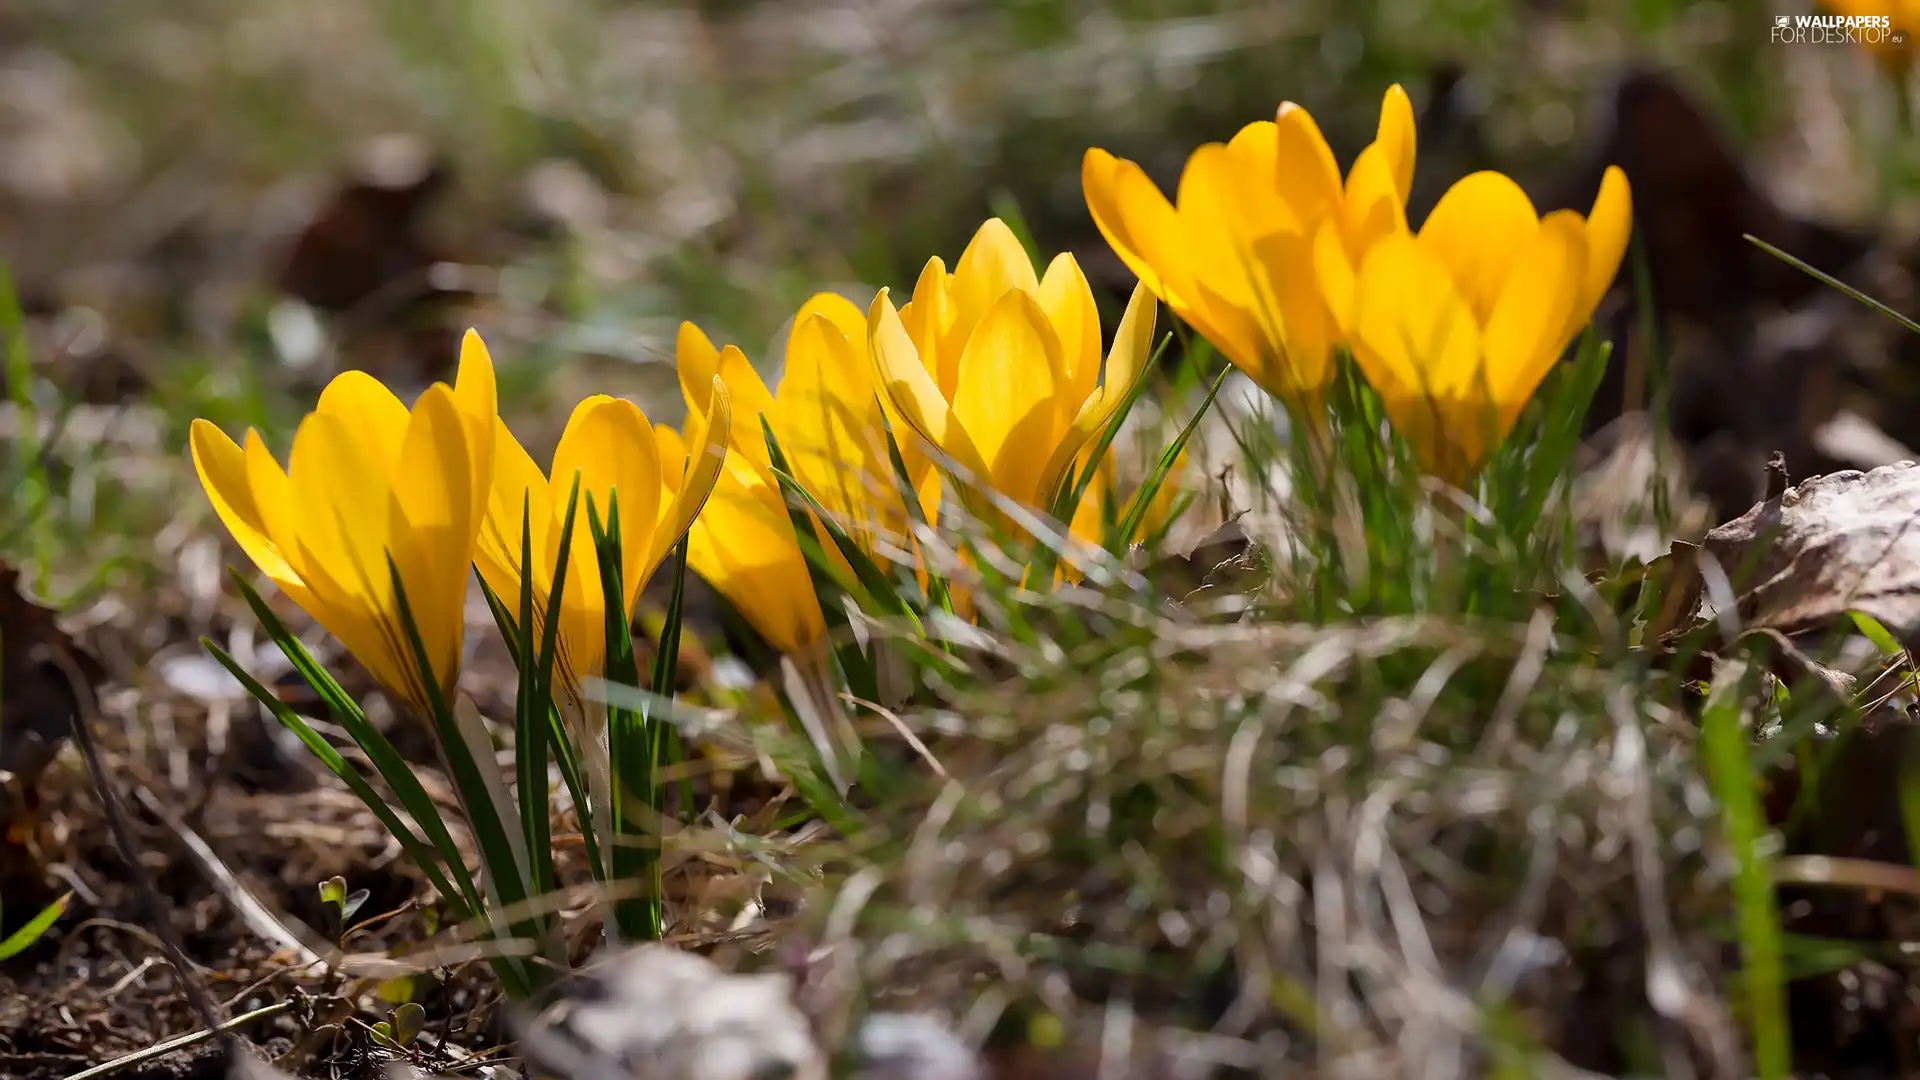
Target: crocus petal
1527,331
360,400
1210,201
1126,366
1373,206
708,445
519,506
673,451
222,466
843,313
1396,138
697,361
1416,341
610,445
343,551
907,386
342,512
830,422
993,263
929,319
1068,302
1138,223
744,545
1308,178
751,400
1009,400
1478,230
477,393
1254,159
273,499
432,527
1336,275
1608,226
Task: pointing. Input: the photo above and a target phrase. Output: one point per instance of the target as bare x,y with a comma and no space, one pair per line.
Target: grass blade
1118,540
423,854
387,762
1730,769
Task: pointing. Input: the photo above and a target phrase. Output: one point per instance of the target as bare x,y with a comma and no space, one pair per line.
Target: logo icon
1783,20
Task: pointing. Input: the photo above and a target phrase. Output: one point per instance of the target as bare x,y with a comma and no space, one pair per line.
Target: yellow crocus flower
370,481
829,425
1235,253
1456,327
610,447
1000,370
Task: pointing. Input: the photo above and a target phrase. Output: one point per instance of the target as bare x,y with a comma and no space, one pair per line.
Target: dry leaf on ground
1847,541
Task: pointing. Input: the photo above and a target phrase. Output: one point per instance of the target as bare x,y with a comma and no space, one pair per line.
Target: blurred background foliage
209,205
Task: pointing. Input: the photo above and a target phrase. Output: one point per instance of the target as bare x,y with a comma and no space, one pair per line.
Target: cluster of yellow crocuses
1277,262
992,377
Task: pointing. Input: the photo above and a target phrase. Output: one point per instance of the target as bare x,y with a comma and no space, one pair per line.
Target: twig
179,1042
87,708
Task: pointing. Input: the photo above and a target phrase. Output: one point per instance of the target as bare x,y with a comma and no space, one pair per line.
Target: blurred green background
207,206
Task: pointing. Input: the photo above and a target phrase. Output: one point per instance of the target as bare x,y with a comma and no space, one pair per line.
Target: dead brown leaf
1835,543
37,705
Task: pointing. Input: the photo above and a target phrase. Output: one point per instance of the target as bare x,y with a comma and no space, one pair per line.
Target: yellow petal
830,424
519,497
341,513
1418,345
358,400
1477,230
1396,138
1126,366
673,456
1608,227
907,386
929,319
610,445
1373,206
708,443
744,546
1010,399
1254,160
432,527
750,399
342,520
1528,330
697,361
1287,262
273,499
1137,222
477,393
1308,178
1067,300
223,473
843,313
993,263
1212,207
1336,275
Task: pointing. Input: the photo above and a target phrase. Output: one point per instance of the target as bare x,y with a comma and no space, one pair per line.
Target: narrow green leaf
431,862
486,817
939,595
1118,541
631,759
1729,762
1828,279
1872,629
393,769
36,928
559,739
